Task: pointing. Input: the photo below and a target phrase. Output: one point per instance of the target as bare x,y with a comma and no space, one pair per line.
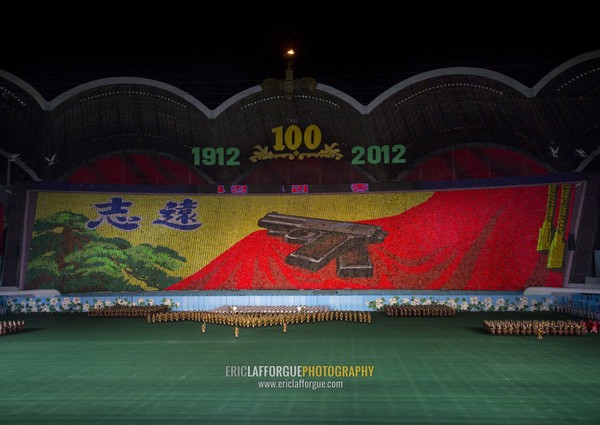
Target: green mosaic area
70,368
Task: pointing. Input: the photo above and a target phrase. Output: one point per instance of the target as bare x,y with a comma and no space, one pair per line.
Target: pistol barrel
279,222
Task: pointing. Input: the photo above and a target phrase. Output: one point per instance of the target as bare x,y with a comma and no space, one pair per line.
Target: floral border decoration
468,304
75,304
473,304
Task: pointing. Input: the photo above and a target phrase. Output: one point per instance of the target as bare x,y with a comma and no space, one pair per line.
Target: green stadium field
74,369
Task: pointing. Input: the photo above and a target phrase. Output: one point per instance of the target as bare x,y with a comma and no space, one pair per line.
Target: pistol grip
355,262
316,254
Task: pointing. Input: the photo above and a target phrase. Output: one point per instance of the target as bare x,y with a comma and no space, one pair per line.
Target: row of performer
260,319
579,312
535,327
432,310
127,310
271,309
146,310
11,327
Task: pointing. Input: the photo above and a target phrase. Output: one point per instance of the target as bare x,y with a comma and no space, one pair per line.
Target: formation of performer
535,327
251,320
11,327
431,310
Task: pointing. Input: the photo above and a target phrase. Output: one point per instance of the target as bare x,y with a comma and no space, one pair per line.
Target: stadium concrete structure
447,128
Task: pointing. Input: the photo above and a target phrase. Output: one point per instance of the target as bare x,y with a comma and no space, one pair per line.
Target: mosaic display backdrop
501,239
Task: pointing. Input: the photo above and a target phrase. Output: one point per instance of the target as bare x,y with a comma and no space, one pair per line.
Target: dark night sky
214,51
